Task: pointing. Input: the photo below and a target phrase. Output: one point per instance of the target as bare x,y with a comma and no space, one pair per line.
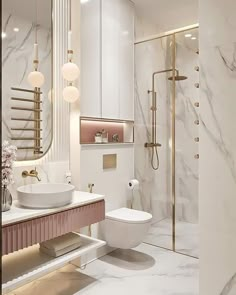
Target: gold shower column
173,141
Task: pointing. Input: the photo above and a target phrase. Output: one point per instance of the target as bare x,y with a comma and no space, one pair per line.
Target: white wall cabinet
90,79
111,95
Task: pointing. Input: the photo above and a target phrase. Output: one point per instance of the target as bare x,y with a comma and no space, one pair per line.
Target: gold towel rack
36,119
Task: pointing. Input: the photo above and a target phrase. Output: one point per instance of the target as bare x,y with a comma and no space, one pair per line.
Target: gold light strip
165,34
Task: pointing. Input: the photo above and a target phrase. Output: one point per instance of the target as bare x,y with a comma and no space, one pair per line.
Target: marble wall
187,174
17,63
217,147
155,186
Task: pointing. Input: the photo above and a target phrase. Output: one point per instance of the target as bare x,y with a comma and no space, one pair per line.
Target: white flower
8,158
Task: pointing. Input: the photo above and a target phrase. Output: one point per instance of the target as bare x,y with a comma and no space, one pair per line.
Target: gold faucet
32,173
90,187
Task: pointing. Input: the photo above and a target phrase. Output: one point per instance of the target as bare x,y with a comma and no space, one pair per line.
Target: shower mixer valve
150,144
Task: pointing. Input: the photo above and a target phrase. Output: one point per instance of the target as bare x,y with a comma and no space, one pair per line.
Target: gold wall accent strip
165,34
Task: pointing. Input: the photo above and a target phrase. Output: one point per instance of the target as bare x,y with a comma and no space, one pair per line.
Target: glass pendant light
36,78
70,71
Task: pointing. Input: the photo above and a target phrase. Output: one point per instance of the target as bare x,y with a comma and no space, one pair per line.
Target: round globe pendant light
70,93
70,71
36,78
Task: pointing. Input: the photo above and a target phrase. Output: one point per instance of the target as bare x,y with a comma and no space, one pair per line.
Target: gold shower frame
173,117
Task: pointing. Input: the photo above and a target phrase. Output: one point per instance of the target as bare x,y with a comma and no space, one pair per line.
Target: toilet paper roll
133,184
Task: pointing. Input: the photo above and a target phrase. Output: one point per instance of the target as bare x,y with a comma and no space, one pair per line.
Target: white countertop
17,213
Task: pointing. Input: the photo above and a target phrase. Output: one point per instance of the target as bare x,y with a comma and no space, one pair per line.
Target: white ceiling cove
168,14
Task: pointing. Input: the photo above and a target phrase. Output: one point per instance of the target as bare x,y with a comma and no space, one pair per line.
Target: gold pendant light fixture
70,71
36,78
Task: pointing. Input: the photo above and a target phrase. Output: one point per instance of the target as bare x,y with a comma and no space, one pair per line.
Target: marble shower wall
217,147
187,95
17,63
154,193
155,186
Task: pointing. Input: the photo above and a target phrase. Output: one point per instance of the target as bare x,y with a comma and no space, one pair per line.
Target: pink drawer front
24,234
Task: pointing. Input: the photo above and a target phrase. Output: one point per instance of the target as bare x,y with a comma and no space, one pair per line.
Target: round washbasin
45,195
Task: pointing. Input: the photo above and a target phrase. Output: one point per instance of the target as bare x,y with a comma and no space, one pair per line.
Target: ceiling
167,14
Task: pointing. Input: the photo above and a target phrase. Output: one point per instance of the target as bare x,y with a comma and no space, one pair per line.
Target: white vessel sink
45,195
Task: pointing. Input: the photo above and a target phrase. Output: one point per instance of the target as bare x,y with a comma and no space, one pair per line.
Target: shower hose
154,157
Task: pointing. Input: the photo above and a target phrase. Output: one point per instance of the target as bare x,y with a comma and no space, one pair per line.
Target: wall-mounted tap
90,187
32,173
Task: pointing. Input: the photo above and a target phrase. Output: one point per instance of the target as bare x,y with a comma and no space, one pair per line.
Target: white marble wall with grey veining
17,63
186,131
217,147
154,190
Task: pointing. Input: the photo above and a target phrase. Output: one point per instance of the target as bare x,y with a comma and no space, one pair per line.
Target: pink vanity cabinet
48,224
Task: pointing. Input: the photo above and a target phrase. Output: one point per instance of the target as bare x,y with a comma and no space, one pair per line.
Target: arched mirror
27,51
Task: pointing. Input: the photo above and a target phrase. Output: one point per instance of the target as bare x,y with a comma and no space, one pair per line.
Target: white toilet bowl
126,228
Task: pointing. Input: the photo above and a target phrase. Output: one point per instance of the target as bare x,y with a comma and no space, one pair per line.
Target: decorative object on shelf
36,78
8,158
70,71
115,137
98,137
104,136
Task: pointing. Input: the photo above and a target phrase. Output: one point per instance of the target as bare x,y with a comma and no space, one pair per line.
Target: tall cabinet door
117,59
91,101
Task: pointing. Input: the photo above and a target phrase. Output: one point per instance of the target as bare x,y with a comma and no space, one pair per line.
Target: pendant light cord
36,21
70,22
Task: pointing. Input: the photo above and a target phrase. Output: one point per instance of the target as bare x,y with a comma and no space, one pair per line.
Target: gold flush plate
109,161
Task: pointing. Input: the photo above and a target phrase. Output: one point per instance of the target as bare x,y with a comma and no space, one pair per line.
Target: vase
6,199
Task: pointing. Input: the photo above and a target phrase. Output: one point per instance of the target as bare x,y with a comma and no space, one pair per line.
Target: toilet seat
129,216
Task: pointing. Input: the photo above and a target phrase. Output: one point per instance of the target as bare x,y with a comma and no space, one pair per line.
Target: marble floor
145,270
160,234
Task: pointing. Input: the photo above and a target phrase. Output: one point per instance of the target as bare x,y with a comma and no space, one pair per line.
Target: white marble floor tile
145,270
160,234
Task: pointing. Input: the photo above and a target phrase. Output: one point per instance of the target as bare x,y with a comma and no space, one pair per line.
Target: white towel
61,242
57,253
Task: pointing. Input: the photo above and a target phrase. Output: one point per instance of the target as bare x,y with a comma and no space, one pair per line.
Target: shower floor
160,234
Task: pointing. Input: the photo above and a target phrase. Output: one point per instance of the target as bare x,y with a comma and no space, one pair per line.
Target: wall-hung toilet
126,228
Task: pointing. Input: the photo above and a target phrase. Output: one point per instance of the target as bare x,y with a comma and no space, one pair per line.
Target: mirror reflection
27,76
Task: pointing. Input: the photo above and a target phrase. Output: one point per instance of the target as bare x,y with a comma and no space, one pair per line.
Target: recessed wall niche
106,131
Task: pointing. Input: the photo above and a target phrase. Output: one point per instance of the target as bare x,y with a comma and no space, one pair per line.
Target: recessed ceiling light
16,30
84,1
194,38
4,35
188,35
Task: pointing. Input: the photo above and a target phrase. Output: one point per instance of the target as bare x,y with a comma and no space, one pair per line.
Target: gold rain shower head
178,78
